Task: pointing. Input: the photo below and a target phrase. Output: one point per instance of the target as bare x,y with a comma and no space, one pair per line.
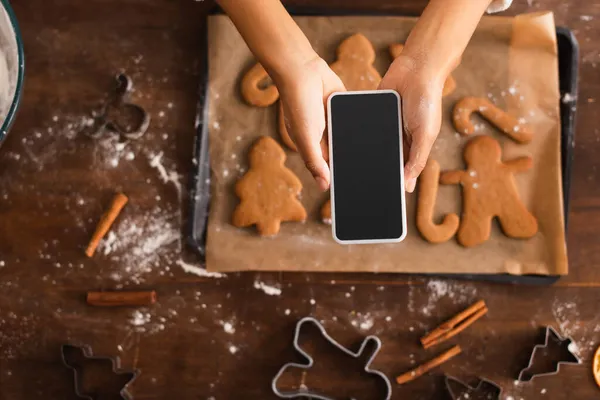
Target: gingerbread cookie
354,66
257,88
449,85
461,116
268,191
489,190
326,212
428,188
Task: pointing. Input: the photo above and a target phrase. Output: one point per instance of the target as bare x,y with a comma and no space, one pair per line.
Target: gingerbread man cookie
354,66
489,190
449,85
257,88
268,191
428,188
509,125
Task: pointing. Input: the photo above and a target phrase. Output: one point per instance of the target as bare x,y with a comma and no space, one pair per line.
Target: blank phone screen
367,167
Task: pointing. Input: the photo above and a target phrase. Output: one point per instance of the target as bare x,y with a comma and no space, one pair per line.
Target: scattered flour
138,318
202,272
569,322
227,327
364,322
568,98
156,161
458,292
142,243
233,349
567,315
7,86
269,290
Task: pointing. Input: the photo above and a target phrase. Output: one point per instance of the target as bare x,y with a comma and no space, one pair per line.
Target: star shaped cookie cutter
89,355
566,342
461,390
309,362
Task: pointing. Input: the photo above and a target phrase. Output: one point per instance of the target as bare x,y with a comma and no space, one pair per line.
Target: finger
422,126
306,126
398,75
333,84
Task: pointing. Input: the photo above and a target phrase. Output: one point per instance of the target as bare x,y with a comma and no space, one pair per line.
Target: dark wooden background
54,184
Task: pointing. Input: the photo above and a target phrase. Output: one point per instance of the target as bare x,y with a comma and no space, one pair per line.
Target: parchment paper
512,61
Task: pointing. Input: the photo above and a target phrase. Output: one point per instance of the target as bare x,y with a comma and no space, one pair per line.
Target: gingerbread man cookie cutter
118,103
300,393
87,353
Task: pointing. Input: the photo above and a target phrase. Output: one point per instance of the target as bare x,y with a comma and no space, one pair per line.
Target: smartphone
367,179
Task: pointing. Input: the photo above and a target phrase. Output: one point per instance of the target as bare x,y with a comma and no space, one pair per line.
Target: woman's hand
421,93
433,49
304,91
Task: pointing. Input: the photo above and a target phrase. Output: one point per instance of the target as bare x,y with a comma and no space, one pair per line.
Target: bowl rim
10,116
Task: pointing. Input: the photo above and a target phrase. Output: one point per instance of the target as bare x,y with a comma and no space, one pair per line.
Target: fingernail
410,185
322,183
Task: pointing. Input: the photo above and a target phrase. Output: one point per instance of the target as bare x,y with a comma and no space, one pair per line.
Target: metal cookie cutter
116,106
484,389
564,343
309,362
87,353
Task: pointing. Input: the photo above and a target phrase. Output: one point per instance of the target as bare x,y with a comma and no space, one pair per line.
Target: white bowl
12,67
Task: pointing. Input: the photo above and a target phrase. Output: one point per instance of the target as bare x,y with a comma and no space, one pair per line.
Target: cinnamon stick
106,222
455,325
458,329
121,299
428,366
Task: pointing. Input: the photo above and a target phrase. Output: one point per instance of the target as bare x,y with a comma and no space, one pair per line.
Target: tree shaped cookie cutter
300,393
566,342
461,390
89,355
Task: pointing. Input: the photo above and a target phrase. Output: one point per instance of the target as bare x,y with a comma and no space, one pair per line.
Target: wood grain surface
225,338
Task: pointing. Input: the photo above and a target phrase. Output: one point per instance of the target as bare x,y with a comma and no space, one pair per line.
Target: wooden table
222,338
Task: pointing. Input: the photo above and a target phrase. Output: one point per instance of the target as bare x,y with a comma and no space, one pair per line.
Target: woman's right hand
304,90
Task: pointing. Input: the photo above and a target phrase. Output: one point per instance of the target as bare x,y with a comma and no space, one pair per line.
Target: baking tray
568,59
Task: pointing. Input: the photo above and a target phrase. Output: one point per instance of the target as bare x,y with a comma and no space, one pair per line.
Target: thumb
307,133
422,122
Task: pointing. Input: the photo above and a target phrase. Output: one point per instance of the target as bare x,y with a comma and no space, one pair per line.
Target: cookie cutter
461,390
87,353
567,343
104,121
309,362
